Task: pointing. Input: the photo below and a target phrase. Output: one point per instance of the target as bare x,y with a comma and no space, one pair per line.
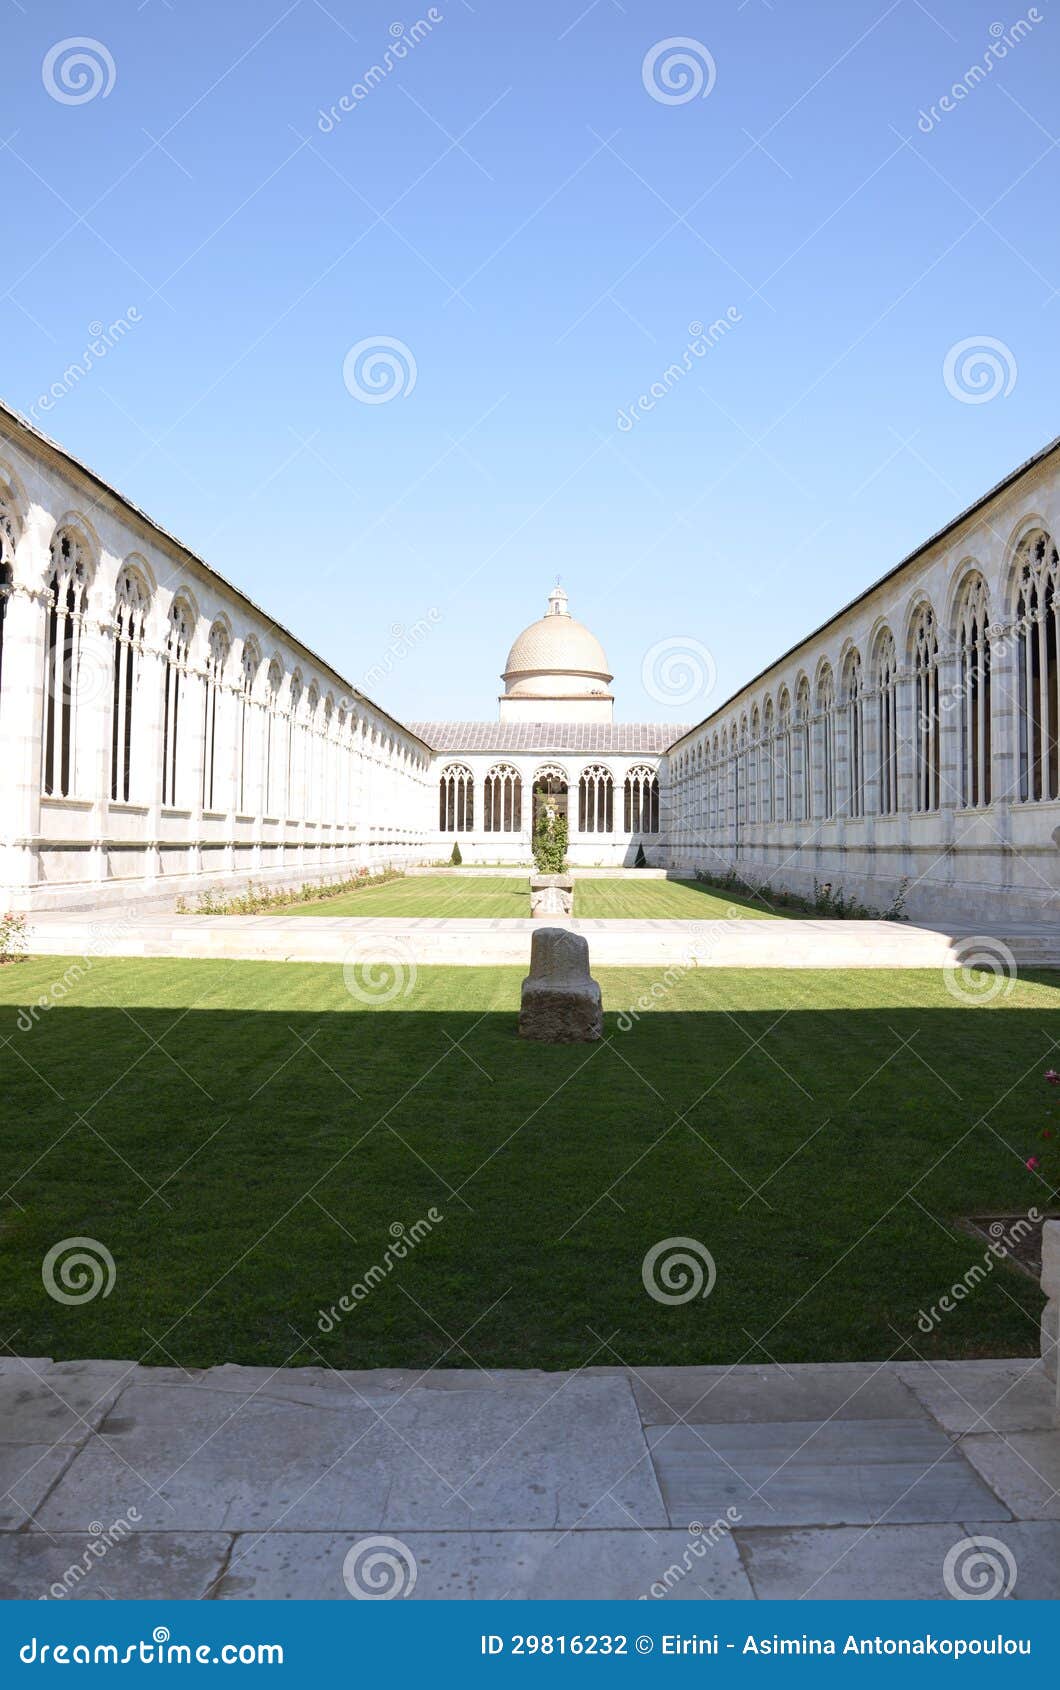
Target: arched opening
596,800
641,800
456,800
502,800
551,791
973,681
1035,631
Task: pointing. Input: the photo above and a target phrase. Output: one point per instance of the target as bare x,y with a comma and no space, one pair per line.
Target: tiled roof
631,737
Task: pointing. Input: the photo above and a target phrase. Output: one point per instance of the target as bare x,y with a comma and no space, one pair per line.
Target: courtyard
247,1140
483,896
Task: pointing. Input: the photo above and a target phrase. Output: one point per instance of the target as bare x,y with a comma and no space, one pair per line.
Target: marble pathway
422,941
844,1480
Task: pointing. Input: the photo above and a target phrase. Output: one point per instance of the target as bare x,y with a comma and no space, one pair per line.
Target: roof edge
23,425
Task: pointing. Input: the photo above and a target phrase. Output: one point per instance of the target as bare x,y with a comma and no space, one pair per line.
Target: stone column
21,732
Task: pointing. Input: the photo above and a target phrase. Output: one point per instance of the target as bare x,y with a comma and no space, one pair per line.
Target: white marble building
911,739
159,734
555,735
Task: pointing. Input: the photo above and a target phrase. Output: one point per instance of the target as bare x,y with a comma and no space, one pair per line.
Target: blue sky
514,205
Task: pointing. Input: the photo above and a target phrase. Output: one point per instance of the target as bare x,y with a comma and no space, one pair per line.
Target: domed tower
556,671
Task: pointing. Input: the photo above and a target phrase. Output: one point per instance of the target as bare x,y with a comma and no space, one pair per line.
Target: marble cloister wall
158,733
605,830
912,739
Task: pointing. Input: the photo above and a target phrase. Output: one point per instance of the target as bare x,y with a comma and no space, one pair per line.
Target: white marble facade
911,739
160,735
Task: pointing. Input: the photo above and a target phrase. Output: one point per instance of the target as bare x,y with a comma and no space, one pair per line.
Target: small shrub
255,900
456,859
550,840
640,860
12,937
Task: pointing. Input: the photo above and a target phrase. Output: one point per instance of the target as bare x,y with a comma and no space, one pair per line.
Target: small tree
640,860
456,859
550,839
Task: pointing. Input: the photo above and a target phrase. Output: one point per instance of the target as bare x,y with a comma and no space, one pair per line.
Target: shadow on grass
245,1168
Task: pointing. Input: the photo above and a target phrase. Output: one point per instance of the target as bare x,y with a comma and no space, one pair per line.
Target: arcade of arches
158,733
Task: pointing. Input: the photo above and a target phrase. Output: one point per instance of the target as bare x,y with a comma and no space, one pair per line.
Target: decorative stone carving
551,894
561,1002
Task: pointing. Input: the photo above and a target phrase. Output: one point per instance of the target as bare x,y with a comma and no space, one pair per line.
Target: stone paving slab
62,1403
838,1472
75,1566
983,1396
1023,1468
895,1563
713,1395
517,1456
260,1480
517,1565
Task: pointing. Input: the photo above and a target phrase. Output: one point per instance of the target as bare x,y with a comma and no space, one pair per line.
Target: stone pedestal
551,894
561,1001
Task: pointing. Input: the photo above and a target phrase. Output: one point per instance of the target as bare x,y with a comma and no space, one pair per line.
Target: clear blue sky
516,155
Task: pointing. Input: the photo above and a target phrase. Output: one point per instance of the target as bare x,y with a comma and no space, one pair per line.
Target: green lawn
244,1136
490,896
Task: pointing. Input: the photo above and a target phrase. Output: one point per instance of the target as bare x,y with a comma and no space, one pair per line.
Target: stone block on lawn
561,1001
551,894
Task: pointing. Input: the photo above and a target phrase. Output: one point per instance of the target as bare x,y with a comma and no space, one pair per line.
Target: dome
557,657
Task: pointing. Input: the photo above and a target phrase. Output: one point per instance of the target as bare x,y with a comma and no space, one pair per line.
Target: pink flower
1052,1076
1047,1132
1032,1163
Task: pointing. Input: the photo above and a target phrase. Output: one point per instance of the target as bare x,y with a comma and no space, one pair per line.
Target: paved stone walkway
845,1480
613,944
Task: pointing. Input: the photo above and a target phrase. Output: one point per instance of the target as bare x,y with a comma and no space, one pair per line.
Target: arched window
753,756
273,782
854,721
456,800
130,616
174,680
827,738
294,743
247,671
926,763
803,772
767,762
596,800
641,809
502,800
1035,631
216,658
7,553
67,595
973,682
741,773
782,808
310,741
886,682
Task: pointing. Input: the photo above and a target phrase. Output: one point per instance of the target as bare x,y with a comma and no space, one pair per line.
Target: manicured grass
490,896
244,1137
